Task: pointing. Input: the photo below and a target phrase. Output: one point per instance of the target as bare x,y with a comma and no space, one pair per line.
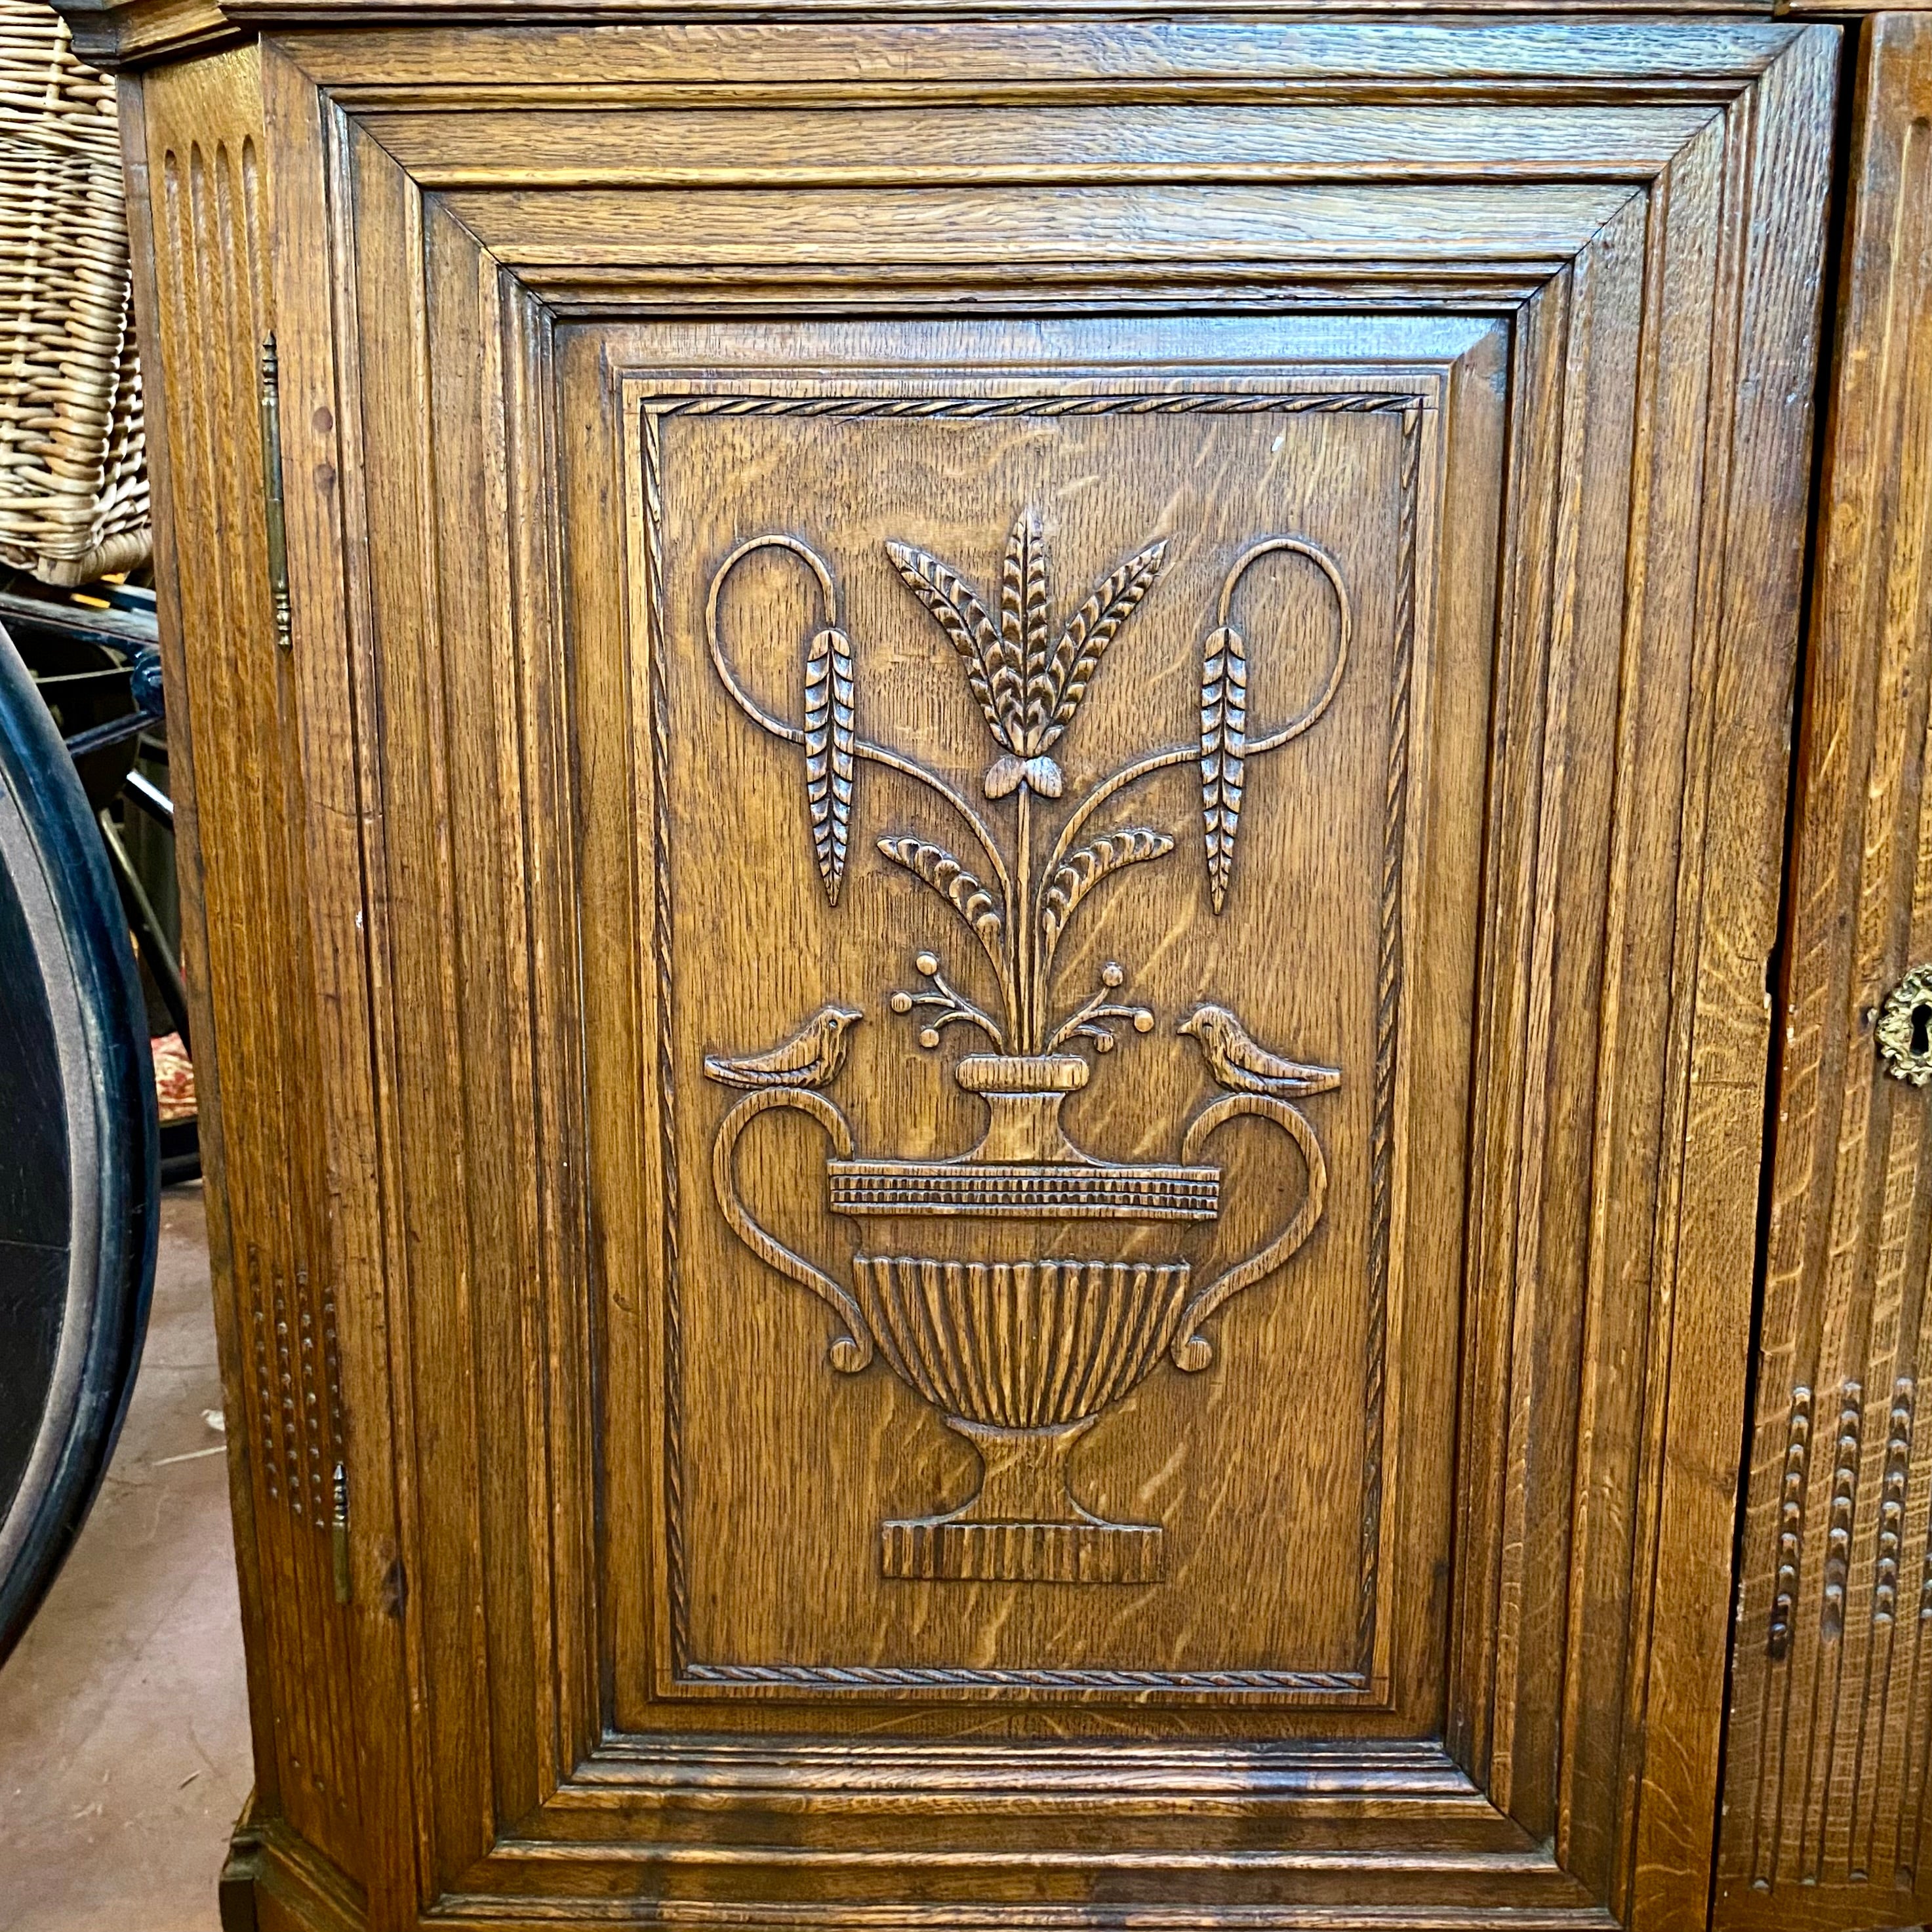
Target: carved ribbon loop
1191,1350
852,1350
1345,617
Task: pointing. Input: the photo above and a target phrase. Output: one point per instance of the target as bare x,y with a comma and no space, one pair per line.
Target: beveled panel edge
504,1914
1415,399
1228,59
859,1764
1260,1887
1174,1799
639,138
1732,893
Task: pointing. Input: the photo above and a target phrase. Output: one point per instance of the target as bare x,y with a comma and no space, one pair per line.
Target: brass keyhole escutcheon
1905,1027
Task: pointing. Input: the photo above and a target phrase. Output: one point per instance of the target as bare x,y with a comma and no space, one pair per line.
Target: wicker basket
73,487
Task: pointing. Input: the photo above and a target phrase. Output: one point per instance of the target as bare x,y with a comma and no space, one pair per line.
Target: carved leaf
950,601
828,751
1224,741
1019,685
1085,868
1091,629
951,881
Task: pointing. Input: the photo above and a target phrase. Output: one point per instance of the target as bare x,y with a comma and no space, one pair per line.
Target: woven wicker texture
73,487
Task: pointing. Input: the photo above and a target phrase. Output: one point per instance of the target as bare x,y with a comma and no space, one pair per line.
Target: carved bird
812,1058
1237,1062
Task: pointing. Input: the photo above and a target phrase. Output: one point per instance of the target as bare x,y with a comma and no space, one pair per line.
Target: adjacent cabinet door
991,920
1826,1820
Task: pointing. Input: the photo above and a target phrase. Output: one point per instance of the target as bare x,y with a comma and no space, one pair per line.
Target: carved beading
1054,1193
285,1391
1844,1509
1791,1520
963,1677
1891,1504
265,1394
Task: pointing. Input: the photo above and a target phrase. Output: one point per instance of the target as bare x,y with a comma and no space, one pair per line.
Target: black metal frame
73,908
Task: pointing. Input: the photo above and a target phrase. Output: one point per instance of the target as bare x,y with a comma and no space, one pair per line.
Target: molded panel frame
1660,277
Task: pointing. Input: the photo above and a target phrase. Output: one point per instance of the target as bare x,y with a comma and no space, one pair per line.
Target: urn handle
1190,1350
852,1350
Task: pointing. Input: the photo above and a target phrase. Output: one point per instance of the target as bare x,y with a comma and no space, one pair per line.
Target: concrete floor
123,1724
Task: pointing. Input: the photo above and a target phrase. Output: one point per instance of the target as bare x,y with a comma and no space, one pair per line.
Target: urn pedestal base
1022,1525
936,1549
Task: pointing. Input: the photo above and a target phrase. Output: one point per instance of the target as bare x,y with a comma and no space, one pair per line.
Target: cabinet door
1045,767
1830,1722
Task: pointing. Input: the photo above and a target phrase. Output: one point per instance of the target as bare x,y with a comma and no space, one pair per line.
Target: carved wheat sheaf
1227,744
1224,739
950,601
1023,630
947,876
1027,692
1085,868
1063,681
828,751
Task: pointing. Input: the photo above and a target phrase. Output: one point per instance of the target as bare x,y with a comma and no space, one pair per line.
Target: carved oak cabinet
1050,870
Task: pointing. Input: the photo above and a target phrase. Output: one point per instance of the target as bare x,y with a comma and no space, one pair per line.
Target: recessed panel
1032,828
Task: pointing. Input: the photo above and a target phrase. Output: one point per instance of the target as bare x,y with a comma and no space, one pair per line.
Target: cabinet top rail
123,33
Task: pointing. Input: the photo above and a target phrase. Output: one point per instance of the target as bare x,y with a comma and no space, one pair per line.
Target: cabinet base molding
274,1881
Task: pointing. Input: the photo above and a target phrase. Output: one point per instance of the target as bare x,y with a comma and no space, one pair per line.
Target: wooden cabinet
1016,1090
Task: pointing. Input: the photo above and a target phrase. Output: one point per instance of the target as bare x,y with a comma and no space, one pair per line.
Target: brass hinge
272,492
338,1534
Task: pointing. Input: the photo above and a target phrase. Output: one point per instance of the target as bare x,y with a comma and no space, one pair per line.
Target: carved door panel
1831,1720
1060,776
1009,636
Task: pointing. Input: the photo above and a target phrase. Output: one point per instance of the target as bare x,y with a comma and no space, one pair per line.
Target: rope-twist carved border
995,408
655,643
1388,1001
935,1677
1412,408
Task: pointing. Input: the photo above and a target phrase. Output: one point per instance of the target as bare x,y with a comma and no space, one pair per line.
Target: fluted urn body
1021,1356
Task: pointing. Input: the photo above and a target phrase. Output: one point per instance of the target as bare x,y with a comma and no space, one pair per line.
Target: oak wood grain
202,171
1825,1826
711,450
115,33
